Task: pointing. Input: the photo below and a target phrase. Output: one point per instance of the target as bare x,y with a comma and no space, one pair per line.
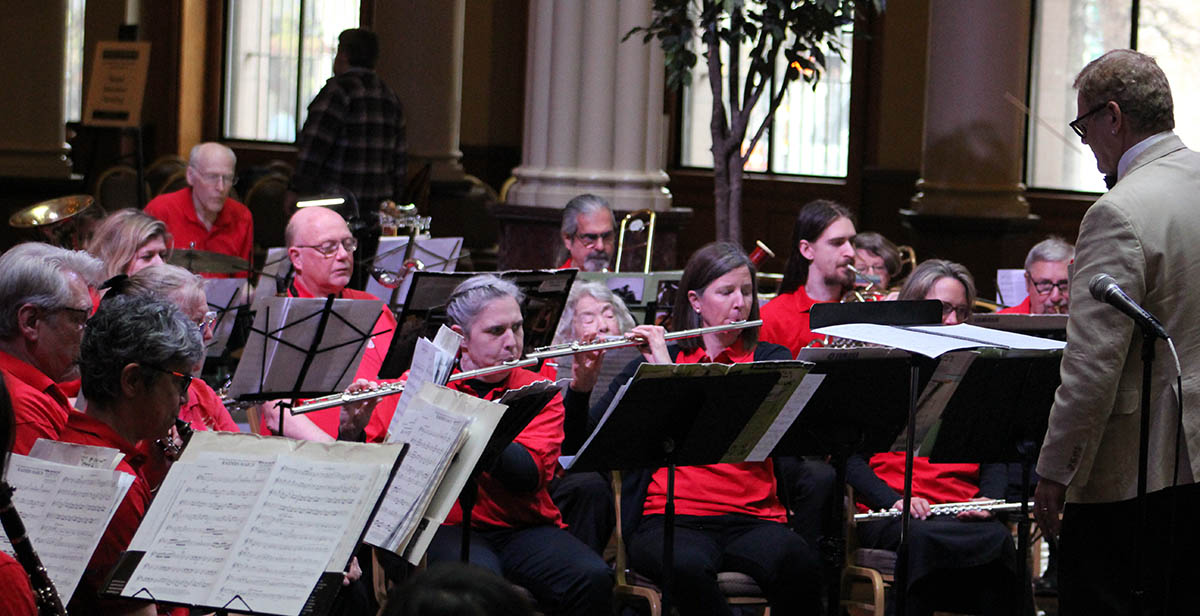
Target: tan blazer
1145,233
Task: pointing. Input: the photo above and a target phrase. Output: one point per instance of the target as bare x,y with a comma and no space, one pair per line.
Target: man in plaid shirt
353,139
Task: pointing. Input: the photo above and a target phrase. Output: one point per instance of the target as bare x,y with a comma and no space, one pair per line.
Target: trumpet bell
50,212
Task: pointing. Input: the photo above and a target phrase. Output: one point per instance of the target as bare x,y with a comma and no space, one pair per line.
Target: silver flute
994,505
538,354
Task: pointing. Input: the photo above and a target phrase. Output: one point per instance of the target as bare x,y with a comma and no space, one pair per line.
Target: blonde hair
119,237
170,282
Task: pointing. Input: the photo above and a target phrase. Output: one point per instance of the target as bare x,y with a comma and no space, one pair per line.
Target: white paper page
485,415
767,415
791,410
1010,286
201,509
90,456
65,510
429,364
433,436
913,341
993,337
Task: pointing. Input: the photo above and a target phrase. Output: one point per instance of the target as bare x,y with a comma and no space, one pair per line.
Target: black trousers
783,564
563,574
1097,555
586,502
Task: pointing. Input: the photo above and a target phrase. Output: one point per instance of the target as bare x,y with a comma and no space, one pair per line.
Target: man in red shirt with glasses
587,234
44,302
1046,278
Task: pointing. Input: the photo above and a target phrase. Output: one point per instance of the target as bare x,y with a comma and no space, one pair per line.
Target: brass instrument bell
51,216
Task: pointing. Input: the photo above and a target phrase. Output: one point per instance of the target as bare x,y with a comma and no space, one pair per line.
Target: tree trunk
721,186
734,207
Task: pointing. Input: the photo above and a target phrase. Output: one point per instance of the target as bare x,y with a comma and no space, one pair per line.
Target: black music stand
425,310
325,314
998,413
919,312
697,420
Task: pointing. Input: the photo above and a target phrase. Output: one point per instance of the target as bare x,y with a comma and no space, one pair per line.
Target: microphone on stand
1104,288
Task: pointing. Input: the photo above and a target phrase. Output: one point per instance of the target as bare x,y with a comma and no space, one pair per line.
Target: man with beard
587,233
817,271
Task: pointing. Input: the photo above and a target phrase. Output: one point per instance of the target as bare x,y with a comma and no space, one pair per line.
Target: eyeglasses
207,321
330,248
211,178
594,239
184,380
960,312
1077,124
79,316
1044,287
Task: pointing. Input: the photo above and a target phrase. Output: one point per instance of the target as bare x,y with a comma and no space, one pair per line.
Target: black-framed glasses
1077,124
330,248
962,312
595,239
184,380
1044,287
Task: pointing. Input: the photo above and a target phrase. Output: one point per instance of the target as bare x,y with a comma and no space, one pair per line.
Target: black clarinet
44,593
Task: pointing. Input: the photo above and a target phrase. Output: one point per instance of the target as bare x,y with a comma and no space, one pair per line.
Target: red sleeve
17,598
543,439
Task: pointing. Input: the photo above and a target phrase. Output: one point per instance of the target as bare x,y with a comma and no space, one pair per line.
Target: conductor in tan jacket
1145,233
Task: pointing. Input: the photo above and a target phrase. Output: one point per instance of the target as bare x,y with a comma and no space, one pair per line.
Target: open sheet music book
288,330
259,524
934,340
66,495
781,392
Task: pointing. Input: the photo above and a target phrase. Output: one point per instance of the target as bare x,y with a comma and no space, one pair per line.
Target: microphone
1104,288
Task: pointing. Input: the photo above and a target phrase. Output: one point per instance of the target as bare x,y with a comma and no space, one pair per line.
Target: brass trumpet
538,354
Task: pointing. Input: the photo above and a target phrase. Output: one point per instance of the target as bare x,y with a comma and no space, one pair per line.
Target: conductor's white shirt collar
1139,147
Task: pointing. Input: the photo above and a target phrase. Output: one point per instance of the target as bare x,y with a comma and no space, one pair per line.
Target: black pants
563,574
1096,560
785,567
586,502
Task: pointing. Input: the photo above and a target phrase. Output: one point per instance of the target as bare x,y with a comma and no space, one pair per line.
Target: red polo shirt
87,430
785,321
567,264
231,234
205,411
1025,307
17,598
746,488
497,506
40,408
372,360
936,483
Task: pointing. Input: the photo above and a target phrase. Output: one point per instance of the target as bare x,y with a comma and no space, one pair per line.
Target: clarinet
44,593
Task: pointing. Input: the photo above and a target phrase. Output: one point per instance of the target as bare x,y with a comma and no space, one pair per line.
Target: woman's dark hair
811,222
456,589
706,265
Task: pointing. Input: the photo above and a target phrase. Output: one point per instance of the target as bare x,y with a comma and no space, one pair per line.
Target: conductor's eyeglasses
1078,125
330,248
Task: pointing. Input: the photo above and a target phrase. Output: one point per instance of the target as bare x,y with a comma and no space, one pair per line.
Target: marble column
421,55
974,126
593,108
33,138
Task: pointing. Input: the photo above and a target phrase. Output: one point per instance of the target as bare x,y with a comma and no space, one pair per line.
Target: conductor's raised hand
654,343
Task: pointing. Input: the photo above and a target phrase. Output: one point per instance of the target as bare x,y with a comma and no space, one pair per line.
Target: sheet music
254,517
485,415
1010,286
296,320
750,439
934,340
795,403
433,435
90,456
65,509
439,254
432,362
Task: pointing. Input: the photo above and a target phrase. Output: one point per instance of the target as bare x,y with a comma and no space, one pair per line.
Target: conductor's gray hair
474,293
1050,250
600,293
35,273
134,329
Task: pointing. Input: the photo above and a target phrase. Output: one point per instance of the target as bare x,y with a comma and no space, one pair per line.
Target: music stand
424,310
289,330
698,419
432,254
998,413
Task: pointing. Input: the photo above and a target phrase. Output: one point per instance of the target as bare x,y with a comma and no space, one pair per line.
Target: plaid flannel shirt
353,139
